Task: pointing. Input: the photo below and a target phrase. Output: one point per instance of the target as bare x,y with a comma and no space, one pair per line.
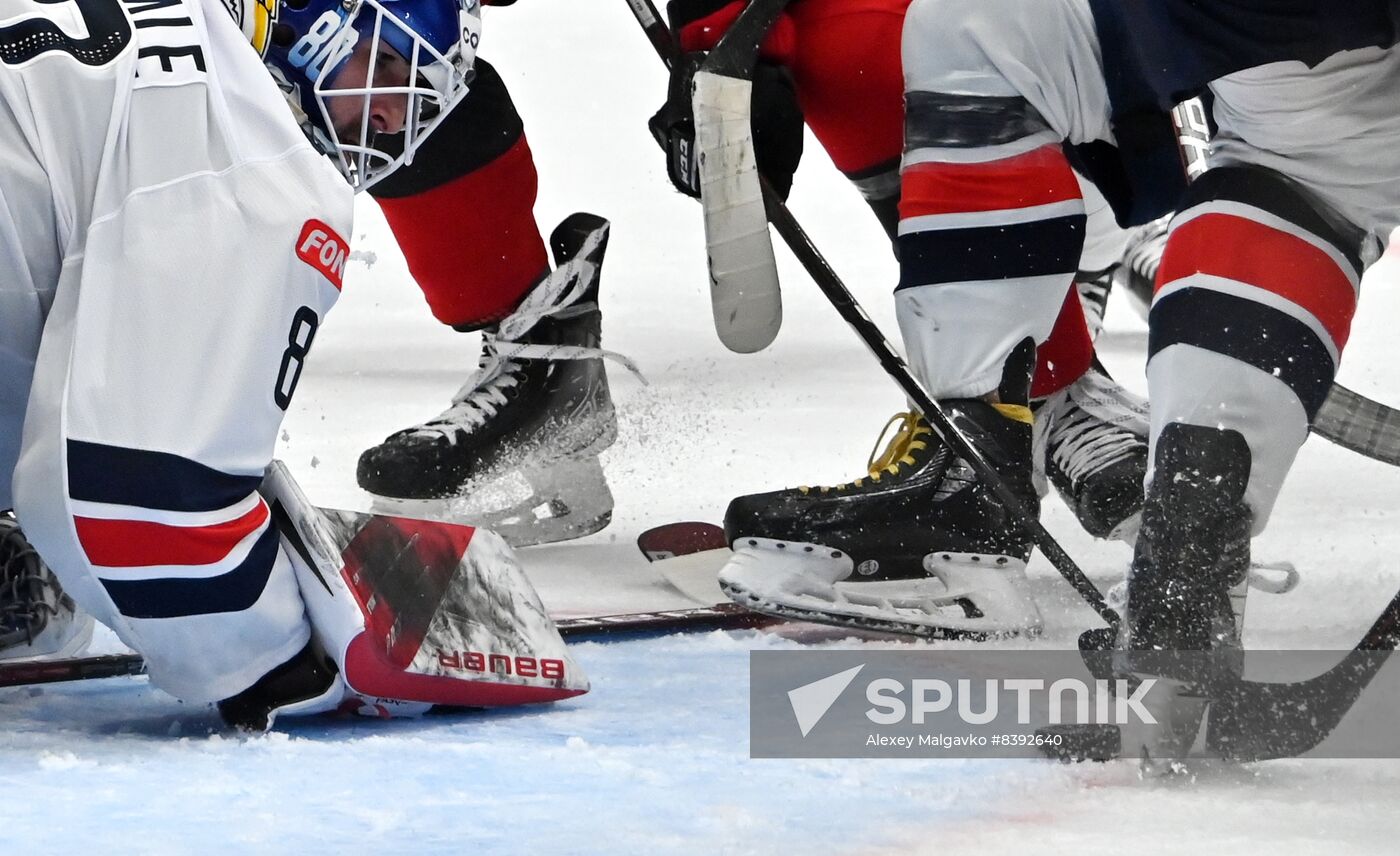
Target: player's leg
463,211
1251,313
1253,304
992,214
850,84
1254,301
849,79
463,215
991,228
991,97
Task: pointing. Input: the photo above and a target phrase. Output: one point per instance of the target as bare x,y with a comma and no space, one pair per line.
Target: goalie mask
369,79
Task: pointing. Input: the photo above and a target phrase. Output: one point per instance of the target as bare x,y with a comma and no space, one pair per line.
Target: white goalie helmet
369,79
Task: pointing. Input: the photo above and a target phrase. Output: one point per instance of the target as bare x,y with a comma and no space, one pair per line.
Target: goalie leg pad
418,611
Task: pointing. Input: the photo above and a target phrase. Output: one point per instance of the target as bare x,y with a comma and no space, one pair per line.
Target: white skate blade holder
567,500
419,611
744,292
965,595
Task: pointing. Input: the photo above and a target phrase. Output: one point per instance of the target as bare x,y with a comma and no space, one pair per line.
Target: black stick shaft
724,616
657,31
56,671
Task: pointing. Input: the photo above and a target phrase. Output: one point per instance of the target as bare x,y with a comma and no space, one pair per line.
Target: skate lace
1266,577
500,366
906,440
24,608
1083,443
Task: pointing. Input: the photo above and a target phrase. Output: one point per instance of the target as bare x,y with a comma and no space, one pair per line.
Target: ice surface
655,758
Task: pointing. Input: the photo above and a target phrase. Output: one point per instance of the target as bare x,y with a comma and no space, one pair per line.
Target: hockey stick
744,290
71,669
1253,720
1355,422
723,616
657,31
688,555
744,294
730,54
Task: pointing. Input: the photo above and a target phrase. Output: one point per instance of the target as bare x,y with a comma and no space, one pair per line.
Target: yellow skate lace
906,440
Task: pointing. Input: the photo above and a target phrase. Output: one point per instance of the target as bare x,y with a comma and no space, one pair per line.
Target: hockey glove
673,126
777,127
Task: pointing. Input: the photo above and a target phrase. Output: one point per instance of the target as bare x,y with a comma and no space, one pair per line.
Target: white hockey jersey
106,107
169,244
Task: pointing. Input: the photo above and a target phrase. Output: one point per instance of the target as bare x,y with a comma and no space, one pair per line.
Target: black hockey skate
1091,438
918,546
1194,544
518,449
307,677
37,618
1189,579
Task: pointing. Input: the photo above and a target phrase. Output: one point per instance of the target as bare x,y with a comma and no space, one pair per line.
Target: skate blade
803,581
1127,530
566,500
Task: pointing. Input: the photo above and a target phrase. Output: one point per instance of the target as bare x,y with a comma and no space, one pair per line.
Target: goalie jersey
169,244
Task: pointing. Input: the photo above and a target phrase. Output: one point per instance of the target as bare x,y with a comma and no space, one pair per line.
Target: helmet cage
437,79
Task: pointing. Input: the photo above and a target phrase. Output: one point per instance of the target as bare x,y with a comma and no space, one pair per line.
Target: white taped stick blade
697,575
744,292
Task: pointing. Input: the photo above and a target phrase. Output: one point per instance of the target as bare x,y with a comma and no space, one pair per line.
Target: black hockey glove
673,126
777,127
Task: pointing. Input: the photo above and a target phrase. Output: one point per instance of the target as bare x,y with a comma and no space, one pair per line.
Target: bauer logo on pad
320,246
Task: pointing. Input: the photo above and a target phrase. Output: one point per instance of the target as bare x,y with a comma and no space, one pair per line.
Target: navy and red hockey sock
1252,307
